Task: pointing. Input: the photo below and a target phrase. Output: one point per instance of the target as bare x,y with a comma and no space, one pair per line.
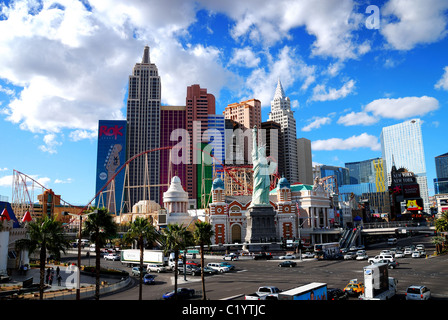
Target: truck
311,291
264,293
327,250
131,257
377,283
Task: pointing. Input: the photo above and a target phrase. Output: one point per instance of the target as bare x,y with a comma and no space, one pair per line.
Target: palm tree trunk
176,270
98,268
42,257
141,268
202,272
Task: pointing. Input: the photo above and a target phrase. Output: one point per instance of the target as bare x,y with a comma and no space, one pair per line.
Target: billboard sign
110,157
414,204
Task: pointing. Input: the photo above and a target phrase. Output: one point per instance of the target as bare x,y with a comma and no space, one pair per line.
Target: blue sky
64,65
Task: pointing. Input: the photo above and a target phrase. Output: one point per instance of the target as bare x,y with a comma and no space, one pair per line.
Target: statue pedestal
260,224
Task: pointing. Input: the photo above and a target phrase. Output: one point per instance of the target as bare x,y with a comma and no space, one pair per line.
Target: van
392,241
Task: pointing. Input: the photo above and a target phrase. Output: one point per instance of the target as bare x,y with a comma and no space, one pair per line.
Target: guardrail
398,224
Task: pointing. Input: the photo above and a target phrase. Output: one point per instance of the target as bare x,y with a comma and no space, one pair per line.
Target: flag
5,215
27,217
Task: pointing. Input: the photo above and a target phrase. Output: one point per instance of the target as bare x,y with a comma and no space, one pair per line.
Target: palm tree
441,225
202,236
141,229
175,238
48,235
99,227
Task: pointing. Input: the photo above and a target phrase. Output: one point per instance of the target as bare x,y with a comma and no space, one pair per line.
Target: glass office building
441,182
402,144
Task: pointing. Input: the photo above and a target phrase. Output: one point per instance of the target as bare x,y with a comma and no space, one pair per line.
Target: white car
420,247
156,268
308,255
416,254
407,251
231,257
399,254
112,256
218,267
362,257
418,293
287,257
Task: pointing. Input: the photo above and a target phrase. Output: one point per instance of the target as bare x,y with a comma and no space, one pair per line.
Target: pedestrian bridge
395,227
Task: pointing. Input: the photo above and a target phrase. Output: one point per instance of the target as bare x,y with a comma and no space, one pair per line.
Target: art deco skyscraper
281,113
143,117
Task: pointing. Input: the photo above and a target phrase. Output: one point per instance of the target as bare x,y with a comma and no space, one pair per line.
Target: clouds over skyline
65,66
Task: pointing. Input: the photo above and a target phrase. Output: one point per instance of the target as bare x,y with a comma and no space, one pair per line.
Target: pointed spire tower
282,114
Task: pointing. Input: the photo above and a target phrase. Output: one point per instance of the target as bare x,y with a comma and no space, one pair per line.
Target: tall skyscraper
402,144
304,161
441,182
171,119
199,104
281,113
143,117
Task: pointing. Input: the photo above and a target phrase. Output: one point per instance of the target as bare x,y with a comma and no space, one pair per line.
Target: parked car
190,269
390,264
287,257
350,256
354,288
287,263
308,255
112,257
182,293
418,293
218,267
362,257
416,254
231,257
136,271
156,268
228,265
149,279
336,294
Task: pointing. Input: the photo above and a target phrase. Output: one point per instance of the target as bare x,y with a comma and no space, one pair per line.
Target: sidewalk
87,282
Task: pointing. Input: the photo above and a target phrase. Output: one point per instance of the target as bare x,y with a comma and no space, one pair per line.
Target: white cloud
50,143
60,181
357,118
320,92
443,82
419,22
244,57
317,123
288,67
364,140
6,181
402,108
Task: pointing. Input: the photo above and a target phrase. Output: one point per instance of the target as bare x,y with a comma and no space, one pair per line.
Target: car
231,257
182,293
112,257
262,255
386,252
416,254
287,263
377,258
390,264
354,288
420,247
228,265
308,255
336,294
287,257
399,254
360,252
156,268
415,292
136,271
190,269
208,270
362,257
193,263
218,267
350,256
149,279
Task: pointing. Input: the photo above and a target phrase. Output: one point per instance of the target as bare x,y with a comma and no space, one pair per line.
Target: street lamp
78,285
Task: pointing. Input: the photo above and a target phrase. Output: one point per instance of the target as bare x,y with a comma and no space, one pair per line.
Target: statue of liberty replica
260,215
